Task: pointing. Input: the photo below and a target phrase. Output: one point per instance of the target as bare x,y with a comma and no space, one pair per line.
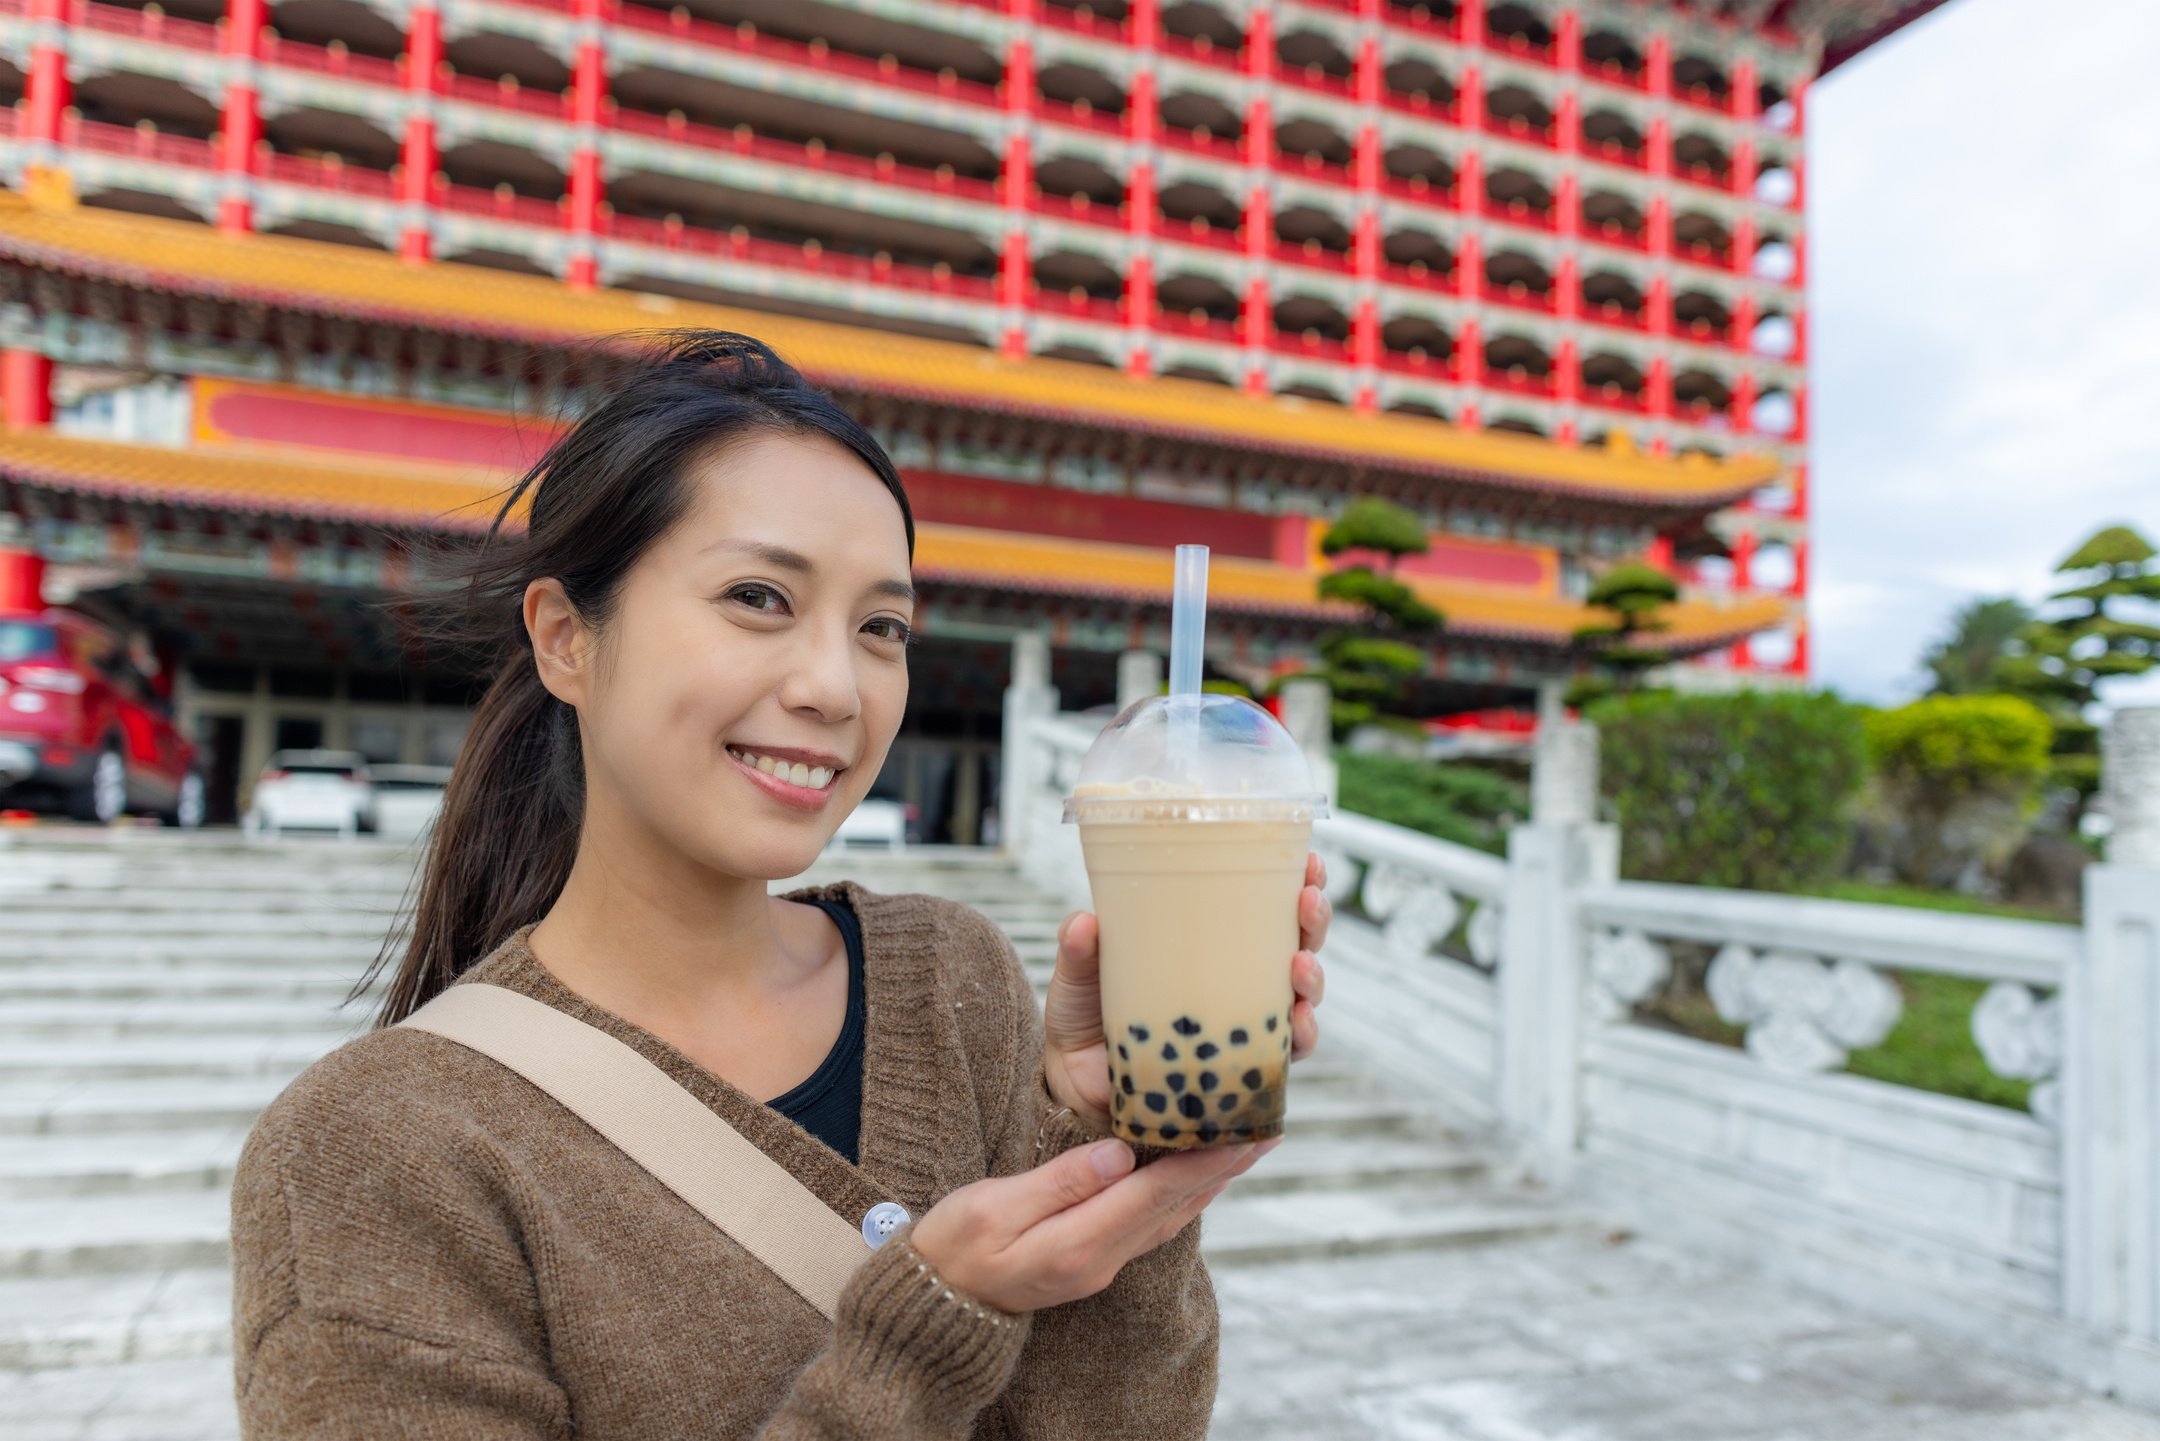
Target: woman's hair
605,490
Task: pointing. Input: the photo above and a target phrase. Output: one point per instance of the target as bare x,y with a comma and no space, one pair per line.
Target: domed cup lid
1194,758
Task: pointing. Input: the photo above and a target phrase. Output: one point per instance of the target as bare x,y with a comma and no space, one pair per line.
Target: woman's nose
820,677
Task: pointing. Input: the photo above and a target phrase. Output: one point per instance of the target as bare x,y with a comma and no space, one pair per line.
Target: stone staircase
157,990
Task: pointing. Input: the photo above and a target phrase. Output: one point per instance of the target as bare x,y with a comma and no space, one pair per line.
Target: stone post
1029,697
1139,675
1307,712
2111,1073
1564,773
1543,947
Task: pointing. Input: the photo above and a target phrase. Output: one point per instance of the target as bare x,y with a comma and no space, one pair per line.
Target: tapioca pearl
1209,1080
1157,1102
1272,1022
1228,1103
1207,1050
1125,1084
1209,1131
1243,1133
1185,1026
1169,1052
1252,1079
1172,1132
1139,1033
1117,1100
1175,1081
1240,1036
1191,1107
1138,1131
1122,1053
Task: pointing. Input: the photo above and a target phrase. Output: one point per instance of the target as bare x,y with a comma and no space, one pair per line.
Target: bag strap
686,1146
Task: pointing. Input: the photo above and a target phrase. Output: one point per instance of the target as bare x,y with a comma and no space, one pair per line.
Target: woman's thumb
1074,1177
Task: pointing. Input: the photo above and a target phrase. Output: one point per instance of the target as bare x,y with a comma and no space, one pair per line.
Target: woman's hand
1076,1058
1063,1230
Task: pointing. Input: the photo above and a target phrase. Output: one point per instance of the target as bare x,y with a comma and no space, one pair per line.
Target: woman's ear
560,643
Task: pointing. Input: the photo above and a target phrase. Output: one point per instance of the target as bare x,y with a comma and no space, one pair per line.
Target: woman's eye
758,597
886,628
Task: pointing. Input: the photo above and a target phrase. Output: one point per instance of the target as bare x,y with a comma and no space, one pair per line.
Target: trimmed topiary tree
1750,790
1633,594
1367,670
2060,664
1963,774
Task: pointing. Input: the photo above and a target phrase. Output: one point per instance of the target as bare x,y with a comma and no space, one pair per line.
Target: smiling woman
703,634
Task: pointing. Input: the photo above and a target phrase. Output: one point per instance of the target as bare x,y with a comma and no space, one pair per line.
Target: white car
312,790
874,824
407,799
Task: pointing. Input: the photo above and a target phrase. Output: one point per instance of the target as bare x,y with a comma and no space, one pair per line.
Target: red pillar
1016,189
1657,67
1469,370
1365,248
1567,388
1140,203
22,580
416,174
46,88
25,389
1257,319
240,127
1742,413
1659,556
588,91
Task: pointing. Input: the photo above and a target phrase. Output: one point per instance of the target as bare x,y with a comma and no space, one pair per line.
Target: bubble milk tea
1195,888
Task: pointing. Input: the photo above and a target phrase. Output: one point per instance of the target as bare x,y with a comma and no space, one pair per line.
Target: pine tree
1367,670
2060,663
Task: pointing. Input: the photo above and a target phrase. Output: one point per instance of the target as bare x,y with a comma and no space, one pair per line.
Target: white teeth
815,777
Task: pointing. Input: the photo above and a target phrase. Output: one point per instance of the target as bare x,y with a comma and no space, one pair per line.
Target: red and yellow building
285,286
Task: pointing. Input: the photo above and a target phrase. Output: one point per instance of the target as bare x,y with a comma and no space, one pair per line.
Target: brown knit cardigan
425,1245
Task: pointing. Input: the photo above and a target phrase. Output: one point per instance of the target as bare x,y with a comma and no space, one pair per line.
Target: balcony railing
149,25
141,142
338,63
500,203
741,140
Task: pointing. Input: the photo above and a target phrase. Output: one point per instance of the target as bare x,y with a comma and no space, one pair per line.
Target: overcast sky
1984,257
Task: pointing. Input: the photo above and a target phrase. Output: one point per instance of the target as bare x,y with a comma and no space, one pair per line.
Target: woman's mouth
791,783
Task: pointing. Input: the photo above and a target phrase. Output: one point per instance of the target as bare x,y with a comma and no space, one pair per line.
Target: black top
829,1104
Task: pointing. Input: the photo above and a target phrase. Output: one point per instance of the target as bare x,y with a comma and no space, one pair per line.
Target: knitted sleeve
330,1342
1136,1360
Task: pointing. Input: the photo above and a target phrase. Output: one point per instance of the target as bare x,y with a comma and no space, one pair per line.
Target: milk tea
1198,923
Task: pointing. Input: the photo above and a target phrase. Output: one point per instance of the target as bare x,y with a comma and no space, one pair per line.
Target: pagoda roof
50,231
448,498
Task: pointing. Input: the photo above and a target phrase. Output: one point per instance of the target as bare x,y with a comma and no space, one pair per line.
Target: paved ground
1377,1279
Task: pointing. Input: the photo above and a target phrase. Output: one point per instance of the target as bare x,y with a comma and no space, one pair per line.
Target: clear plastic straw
1188,618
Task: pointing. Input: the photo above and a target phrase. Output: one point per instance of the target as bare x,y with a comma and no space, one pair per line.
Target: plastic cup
1195,816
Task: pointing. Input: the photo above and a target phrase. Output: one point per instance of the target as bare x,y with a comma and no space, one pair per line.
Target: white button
881,1220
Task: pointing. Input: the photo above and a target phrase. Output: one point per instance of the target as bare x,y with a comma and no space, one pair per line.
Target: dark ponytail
612,485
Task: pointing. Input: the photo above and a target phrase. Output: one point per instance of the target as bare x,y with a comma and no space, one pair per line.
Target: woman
703,637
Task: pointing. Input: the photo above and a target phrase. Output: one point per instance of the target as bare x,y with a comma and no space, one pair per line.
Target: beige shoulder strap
656,1123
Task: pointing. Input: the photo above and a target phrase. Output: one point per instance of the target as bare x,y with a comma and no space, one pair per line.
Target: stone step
180,1400
1245,1228
71,924
121,1162
1320,1161
104,1017
177,1059
95,1235
80,1322
123,986
104,1106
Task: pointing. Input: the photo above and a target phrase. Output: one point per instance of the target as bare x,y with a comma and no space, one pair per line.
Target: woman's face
754,673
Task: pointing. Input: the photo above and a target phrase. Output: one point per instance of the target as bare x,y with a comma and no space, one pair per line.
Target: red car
81,728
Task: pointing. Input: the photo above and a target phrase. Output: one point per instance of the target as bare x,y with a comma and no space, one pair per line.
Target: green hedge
1749,790
1463,804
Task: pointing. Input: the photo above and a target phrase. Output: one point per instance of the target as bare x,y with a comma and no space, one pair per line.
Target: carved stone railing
1811,981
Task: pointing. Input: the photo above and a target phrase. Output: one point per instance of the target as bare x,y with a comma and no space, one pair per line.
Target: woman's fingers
1315,911
1135,1214
1308,984
1079,946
